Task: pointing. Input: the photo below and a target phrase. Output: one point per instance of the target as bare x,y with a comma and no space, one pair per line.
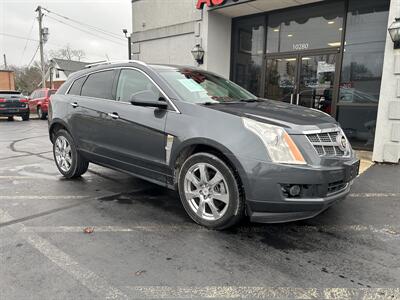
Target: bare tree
68,53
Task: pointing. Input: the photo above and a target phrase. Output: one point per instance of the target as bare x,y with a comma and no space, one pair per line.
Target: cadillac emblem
342,142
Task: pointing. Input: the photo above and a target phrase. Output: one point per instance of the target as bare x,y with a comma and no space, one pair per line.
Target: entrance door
302,79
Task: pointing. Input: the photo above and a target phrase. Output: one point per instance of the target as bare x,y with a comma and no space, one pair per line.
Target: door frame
298,55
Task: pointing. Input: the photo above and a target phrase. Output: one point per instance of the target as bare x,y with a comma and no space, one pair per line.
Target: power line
34,55
85,31
100,30
27,40
24,38
35,40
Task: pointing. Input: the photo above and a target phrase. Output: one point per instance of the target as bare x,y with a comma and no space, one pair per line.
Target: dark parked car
13,103
227,152
39,102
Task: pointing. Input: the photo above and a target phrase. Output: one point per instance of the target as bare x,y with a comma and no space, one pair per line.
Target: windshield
196,86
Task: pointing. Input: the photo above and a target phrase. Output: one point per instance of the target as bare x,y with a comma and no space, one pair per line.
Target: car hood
292,117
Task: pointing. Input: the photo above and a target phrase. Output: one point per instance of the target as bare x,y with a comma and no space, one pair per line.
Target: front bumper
267,202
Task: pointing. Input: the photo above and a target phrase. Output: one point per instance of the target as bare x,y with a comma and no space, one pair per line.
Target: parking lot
139,242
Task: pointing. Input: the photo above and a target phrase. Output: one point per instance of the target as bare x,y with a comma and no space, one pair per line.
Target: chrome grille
326,144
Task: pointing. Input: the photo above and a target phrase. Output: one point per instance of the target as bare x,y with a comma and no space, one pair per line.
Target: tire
10,118
213,203
25,117
68,160
41,114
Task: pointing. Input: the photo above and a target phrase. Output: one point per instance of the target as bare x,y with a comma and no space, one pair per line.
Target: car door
32,99
39,99
138,133
89,114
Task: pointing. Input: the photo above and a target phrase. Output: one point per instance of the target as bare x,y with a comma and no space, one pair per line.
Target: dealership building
333,55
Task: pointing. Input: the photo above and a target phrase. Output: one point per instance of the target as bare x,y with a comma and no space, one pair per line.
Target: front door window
316,79
306,80
281,78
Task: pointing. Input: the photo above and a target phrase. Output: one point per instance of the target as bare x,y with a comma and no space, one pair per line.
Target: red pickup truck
39,102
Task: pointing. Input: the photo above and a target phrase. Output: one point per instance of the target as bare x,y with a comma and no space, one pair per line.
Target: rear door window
77,86
99,85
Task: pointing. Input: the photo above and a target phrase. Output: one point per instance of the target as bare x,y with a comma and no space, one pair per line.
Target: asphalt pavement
109,235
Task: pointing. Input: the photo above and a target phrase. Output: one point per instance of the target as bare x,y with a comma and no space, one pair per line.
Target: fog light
294,190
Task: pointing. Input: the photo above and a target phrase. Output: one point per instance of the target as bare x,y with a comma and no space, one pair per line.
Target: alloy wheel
206,191
62,151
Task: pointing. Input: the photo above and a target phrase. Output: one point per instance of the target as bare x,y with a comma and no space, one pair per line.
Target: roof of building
69,66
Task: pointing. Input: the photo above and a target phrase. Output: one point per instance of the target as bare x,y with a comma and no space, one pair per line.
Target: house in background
60,69
7,80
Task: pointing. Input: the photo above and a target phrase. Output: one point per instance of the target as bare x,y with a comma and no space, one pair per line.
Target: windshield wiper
249,100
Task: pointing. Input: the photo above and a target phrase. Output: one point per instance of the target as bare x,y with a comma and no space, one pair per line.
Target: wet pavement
143,244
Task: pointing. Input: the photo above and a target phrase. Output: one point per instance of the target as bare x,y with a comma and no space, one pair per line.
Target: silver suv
227,152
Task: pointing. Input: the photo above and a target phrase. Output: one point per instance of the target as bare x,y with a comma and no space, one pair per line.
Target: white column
387,137
216,37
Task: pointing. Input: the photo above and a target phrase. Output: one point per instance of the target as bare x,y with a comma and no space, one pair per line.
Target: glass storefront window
312,27
367,22
249,40
360,84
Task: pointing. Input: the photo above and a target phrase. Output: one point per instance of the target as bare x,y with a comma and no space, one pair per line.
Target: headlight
279,144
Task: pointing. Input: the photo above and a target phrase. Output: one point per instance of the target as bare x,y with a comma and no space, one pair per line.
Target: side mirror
148,99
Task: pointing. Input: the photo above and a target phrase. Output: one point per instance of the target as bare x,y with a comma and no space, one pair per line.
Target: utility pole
40,18
5,62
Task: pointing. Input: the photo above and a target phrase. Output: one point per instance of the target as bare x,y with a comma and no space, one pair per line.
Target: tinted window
249,40
361,76
312,27
99,85
132,82
77,86
364,51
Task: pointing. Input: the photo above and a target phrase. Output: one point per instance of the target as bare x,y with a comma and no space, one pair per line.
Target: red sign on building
210,3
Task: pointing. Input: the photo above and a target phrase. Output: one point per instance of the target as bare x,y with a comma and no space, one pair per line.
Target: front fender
201,141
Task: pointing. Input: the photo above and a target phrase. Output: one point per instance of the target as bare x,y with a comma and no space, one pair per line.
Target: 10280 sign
301,46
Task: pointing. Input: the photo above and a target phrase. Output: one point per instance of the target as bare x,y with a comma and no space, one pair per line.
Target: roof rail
109,62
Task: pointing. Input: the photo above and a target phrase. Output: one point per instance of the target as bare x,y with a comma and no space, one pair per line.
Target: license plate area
352,171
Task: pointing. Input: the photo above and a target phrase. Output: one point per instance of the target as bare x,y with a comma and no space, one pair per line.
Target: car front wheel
69,161
25,117
209,191
41,114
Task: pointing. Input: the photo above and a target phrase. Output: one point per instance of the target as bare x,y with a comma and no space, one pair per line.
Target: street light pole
40,18
125,31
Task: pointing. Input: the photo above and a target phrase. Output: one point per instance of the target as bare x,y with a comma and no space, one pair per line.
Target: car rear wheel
41,114
209,191
69,161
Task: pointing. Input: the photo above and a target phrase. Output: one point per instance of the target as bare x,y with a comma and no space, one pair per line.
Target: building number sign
301,46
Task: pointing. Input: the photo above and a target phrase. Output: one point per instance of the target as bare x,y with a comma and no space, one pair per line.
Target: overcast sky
17,17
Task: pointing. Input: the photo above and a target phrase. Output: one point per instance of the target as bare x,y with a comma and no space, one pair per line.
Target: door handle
113,115
291,98
74,104
298,99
